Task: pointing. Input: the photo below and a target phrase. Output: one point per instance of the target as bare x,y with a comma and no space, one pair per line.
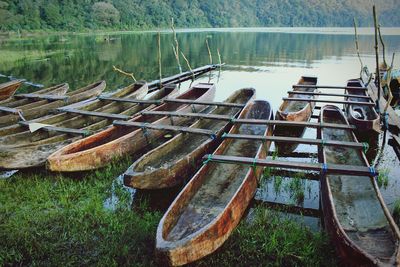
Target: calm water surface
270,60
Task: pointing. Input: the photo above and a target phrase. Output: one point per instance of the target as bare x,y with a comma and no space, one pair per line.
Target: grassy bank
59,220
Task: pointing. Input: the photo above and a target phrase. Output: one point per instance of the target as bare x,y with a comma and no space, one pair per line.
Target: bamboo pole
357,46
124,73
188,64
176,47
159,58
383,46
377,76
209,52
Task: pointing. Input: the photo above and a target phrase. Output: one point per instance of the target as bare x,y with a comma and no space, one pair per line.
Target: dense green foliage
74,15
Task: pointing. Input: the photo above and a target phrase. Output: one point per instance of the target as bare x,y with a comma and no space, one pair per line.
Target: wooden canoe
296,111
8,89
32,149
172,162
19,99
100,149
355,215
41,108
365,118
211,205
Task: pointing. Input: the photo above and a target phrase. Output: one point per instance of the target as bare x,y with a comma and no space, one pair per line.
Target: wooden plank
330,101
190,115
327,168
295,124
282,207
39,96
163,127
308,141
327,94
9,110
327,87
59,129
130,100
95,114
222,104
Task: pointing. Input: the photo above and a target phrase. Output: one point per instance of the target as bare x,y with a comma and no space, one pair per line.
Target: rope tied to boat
19,112
224,135
209,158
254,165
324,168
193,109
372,171
365,147
213,136
323,143
232,120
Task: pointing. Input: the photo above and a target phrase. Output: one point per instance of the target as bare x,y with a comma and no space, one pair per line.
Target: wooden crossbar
330,101
310,212
190,115
95,114
9,110
59,129
327,94
295,124
130,100
39,96
163,127
328,87
328,168
222,104
308,141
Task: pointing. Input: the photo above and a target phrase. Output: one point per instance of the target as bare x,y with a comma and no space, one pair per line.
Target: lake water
268,59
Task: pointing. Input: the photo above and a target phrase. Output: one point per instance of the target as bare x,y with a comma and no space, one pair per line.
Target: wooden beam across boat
324,168
95,114
327,94
59,129
130,100
330,101
295,123
327,87
9,110
220,104
45,97
282,207
190,115
163,127
308,141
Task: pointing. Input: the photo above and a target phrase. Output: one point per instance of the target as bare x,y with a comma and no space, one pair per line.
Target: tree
105,13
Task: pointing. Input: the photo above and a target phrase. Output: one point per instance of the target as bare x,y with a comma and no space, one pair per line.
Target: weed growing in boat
278,183
296,188
383,178
272,240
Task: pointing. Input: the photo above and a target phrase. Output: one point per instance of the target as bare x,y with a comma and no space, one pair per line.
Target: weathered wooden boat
211,205
356,217
172,162
41,108
297,111
8,89
47,93
365,118
120,140
32,149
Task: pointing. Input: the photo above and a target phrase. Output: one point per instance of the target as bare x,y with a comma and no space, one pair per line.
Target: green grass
396,212
50,220
383,178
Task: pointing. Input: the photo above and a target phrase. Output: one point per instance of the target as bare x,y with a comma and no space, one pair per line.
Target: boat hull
115,142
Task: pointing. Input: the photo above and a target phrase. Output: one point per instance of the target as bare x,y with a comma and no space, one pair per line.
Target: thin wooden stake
357,47
188,64
383,46
377,76
209,52
176,47
124,73
159,58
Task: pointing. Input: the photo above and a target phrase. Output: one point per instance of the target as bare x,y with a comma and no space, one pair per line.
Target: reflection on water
270,60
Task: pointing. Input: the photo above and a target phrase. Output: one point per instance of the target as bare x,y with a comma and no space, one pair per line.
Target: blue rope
224,135
324,168
365,147
372,171
386,120
232,120
213,136
209,158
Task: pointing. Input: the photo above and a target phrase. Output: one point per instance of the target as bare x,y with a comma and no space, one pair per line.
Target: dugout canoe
211,205
365,118
33,149
41,108
297,111
100,149
22,99
355,215
171,163
7,89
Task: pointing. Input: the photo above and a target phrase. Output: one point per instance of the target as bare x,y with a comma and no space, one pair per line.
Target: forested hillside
73,15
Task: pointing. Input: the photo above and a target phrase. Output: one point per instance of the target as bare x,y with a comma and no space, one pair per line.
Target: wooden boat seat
59,129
